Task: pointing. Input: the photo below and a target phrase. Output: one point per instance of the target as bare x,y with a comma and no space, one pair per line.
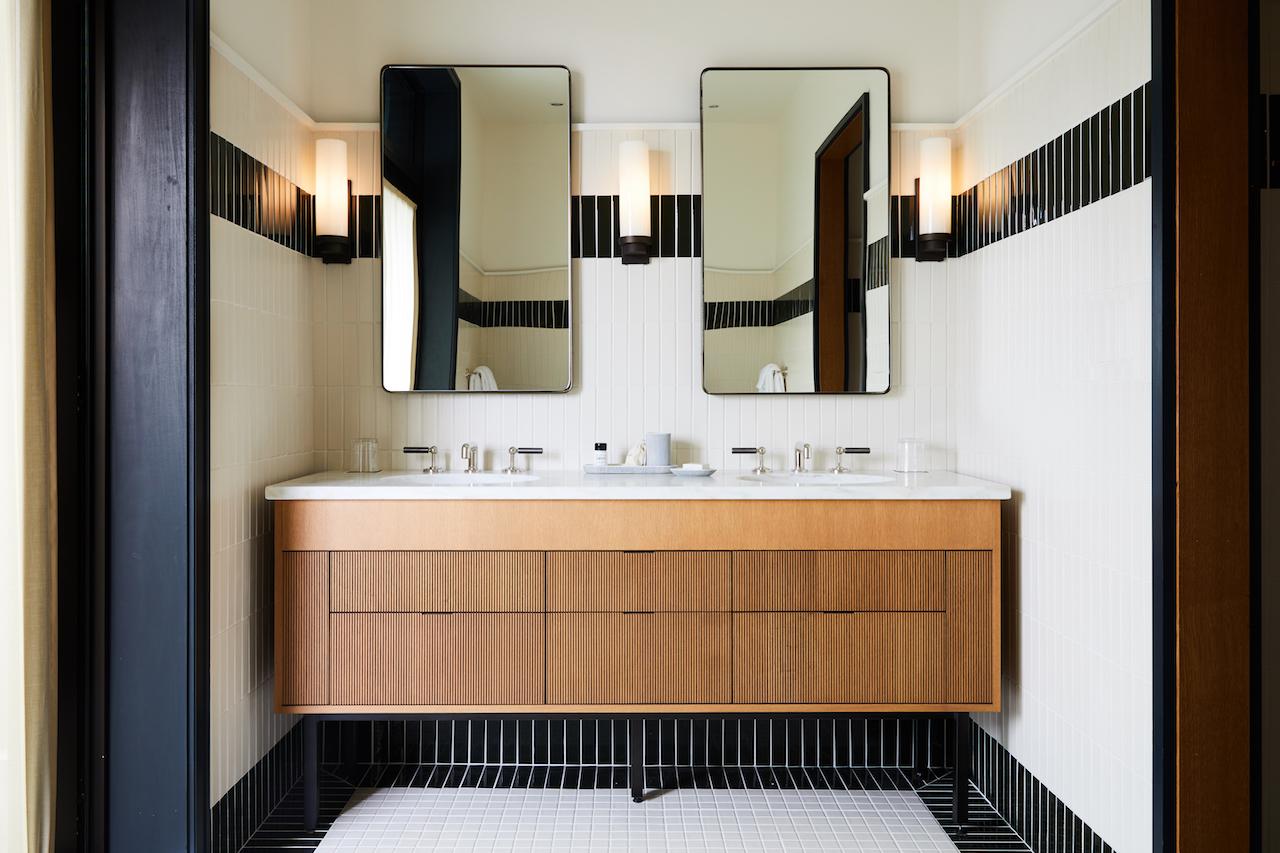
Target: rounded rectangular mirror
475,228
795,165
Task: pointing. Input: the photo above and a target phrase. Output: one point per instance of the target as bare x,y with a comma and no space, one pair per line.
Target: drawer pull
437,612
638,612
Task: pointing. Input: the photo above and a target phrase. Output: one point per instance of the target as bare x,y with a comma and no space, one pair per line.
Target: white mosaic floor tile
468,819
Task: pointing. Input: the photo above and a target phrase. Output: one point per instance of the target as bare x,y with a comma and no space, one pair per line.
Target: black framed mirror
476,290
795,230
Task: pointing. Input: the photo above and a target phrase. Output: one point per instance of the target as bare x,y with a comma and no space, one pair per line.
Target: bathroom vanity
418,594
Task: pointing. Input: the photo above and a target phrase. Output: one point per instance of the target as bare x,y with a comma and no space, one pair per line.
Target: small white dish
693,472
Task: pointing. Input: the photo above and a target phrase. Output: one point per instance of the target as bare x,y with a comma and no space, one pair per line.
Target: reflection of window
399,289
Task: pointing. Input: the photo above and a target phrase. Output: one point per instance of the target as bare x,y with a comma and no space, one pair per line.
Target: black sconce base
932,247
635,250
333,250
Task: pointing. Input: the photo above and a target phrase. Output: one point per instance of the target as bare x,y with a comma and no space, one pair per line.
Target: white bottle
602,453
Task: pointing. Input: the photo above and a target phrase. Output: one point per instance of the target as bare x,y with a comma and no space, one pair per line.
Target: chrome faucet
802,456
469,455
431,469
759,452
512,451
840,453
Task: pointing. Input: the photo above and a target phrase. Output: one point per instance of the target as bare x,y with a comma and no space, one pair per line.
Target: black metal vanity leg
920,747
960,788
635,755
310,774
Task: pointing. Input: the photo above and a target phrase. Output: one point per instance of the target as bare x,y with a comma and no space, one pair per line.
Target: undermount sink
817,479
461,478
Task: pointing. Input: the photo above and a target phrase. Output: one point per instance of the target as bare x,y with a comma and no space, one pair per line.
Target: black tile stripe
878,264
245,192
674,220
1106,153
733,314
522,313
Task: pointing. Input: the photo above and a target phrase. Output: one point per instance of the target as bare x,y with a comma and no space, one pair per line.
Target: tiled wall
638,352
261,408
1050,365
1026,361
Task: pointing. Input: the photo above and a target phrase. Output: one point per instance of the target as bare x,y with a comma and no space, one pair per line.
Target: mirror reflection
475,229
795,231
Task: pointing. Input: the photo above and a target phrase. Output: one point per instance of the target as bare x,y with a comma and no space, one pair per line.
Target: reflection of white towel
771,380
481,379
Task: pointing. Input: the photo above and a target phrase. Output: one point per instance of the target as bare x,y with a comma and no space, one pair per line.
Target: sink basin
458,478
817,479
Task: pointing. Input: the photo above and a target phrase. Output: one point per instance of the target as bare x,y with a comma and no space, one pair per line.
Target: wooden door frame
1205,491
130,109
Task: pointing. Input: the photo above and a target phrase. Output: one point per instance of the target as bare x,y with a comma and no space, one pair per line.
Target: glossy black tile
1028,806
606,233
587,224
675,222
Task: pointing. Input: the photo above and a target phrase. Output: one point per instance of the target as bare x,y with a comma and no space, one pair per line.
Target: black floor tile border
985,833
1010,809
811,741
1026,803
255,797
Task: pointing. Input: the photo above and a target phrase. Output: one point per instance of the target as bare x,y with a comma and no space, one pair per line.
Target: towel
771,380
481,379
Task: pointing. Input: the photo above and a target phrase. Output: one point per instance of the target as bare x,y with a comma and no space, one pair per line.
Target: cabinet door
839,658
302,628
624,658
617,581
437,659
438,581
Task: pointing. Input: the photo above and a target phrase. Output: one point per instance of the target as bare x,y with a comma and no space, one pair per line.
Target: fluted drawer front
437,659
302,611
839,580
615,581
417,581
854,658
613,658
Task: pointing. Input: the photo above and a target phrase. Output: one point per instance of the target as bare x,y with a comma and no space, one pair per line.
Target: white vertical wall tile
638,362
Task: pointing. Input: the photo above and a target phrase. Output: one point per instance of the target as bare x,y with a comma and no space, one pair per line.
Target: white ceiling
641,62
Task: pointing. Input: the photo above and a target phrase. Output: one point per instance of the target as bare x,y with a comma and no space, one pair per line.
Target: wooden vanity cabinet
637,606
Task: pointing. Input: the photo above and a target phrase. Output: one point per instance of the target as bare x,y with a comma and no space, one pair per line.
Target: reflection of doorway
841,167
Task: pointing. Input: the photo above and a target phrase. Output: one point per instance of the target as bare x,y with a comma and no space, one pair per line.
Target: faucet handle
429,449
512,451
840,453
759,452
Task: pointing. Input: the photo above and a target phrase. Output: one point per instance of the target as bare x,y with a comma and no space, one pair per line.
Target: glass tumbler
911,457
364,456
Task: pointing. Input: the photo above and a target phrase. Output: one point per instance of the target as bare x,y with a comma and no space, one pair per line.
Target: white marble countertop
575,485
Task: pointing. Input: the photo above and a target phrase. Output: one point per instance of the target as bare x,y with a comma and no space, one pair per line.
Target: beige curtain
27,521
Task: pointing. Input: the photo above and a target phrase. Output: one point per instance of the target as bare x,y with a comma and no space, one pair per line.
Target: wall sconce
333,202
634,228
933,199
